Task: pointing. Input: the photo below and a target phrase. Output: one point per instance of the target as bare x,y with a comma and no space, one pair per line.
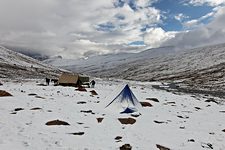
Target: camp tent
67,79
126,102
84,79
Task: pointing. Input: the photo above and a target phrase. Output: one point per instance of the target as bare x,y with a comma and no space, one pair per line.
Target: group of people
92,83
51,80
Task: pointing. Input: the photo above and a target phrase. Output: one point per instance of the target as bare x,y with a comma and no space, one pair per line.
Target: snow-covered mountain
96,65
16,65
200,67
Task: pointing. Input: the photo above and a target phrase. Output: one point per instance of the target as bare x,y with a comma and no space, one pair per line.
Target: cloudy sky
78,28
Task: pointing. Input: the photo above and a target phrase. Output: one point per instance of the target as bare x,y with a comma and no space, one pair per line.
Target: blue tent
126,101
128,111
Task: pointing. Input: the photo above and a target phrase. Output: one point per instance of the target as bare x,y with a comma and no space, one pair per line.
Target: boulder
127,120
18,109
160,147
82,89
152,99
118,138
93,92
146,104
81,102
99,120
4,93
126,147
211,100
32,94
77,133
36,108
56,122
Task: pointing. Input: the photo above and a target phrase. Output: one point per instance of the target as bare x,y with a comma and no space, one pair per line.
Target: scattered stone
82,89
222,111
127,120
1,84
126,147
80,123
198,108
32,94
93,92
56,122
159,122
18,109
99,120
212,133
152,99
77,133
41,84
118,138
39,97
4,93
186,117
135,115
13,113
223,130
211,100
160,147
207,145
81,102
146,104
167,103
87,111
191,140
36,108
182,127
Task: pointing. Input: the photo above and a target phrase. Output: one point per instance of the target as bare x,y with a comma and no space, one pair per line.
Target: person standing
92,83
47,81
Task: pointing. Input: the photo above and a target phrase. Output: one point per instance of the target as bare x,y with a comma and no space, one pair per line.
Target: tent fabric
128,111
126,100
66,78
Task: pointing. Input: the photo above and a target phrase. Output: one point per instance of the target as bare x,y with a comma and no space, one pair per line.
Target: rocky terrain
15,65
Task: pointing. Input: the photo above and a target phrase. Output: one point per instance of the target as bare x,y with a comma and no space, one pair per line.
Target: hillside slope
16,65
200,68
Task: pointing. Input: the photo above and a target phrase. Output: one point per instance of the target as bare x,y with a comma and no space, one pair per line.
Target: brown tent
67,79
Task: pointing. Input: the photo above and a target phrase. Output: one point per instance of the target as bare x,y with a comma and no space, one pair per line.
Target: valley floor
178,121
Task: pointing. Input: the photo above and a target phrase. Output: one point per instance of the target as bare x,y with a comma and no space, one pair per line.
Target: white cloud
208,2
198,22
180,17
156,36
58,27
212,33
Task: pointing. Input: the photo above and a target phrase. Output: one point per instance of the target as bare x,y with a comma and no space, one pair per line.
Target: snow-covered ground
15,65
177,121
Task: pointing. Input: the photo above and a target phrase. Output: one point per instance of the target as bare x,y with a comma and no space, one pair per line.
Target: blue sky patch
171,8
106,27
137,43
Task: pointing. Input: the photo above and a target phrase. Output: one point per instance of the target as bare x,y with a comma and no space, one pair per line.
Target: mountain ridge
200,68
16,65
